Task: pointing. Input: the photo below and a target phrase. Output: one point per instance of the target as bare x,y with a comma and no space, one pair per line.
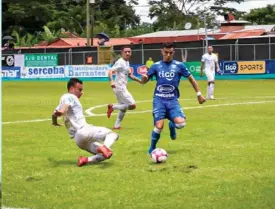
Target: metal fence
237,52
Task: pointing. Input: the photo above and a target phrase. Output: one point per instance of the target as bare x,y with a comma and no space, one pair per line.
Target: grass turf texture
223,158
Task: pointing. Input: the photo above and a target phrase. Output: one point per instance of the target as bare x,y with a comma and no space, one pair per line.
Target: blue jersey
168,75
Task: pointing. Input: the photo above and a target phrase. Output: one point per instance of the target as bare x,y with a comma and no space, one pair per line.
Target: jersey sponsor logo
165,95
167,75
230,67
165,88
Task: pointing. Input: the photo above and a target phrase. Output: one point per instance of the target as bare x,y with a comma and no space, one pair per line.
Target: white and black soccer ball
158,155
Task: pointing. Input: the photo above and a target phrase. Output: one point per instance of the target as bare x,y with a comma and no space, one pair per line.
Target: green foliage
172,15
265,15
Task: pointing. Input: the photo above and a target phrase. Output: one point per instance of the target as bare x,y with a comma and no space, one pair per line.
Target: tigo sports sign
252,67
230,68
35,60
43,72
91,71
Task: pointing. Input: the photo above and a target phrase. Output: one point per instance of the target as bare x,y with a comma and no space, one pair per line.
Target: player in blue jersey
168,73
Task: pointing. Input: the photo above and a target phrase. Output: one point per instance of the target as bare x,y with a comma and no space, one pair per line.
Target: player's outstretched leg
101,151
156,135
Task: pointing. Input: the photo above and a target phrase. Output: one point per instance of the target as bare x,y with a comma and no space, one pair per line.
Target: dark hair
168,45
124,47
72,82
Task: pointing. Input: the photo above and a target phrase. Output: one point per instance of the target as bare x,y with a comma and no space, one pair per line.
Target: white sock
208,91
120,107
212,89
120,117
96,158
110,139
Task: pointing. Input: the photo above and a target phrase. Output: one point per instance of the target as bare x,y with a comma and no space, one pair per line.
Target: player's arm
186,73
112,71
59,111
202,65
217,64
150,73
134,78
195,85
110,75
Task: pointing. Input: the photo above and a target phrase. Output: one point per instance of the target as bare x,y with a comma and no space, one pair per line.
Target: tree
173,14
265,15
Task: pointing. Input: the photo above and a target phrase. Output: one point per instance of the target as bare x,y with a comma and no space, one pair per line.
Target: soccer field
224,157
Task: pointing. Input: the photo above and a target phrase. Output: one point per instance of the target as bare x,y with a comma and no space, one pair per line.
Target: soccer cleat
105,151
82,161
173,133
116,128
110,110
151,150
212,98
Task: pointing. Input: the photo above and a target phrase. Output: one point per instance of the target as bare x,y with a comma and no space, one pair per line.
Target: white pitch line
3,207
91,114
146,111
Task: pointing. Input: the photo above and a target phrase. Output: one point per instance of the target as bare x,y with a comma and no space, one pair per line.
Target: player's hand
218,70
54,120
113,84
201,99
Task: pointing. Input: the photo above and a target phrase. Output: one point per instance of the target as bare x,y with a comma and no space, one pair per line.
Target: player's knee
159,126
180,125
157,130
116,135
132,107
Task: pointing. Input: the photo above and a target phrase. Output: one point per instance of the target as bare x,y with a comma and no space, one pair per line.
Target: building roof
177,33
74,42
243,33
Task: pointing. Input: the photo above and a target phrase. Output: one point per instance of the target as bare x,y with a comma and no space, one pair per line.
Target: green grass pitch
224,158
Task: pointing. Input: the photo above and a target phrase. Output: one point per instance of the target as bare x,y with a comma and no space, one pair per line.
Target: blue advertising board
10,73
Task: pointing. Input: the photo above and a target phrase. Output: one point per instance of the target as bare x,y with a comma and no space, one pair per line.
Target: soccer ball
158,155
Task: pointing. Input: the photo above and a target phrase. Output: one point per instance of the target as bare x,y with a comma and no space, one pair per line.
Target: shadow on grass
57,163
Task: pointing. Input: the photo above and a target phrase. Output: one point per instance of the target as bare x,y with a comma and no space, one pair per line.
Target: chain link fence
236,52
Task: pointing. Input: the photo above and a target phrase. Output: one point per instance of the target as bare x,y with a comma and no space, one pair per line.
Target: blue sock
172,124
172,128
154,140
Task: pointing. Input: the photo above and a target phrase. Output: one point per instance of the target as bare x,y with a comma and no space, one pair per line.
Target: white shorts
86,137
124,96
210,75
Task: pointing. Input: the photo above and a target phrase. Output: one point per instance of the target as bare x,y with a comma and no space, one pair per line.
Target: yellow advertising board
251,67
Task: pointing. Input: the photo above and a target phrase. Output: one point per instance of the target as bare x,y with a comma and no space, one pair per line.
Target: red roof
243,33
75,42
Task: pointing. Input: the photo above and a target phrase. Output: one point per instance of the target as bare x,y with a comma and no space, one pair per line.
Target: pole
92,23
206,38
88,23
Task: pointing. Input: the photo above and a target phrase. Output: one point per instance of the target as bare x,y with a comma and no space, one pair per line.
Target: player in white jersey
94,139
121,69
209,61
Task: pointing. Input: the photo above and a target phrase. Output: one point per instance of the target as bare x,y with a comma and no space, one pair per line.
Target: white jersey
74,118
121,68
209,61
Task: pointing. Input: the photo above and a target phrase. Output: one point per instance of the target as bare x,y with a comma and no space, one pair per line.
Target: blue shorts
166,109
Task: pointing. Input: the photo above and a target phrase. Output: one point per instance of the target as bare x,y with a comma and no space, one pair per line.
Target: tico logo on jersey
168,75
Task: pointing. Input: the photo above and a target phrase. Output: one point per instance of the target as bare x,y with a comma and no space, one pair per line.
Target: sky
143,10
